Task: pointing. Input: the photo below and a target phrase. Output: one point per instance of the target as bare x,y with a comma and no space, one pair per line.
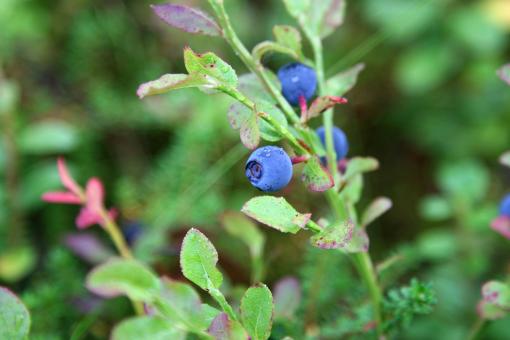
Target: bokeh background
428,105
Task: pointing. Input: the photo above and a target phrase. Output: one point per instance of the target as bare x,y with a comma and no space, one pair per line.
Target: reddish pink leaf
501,225
87,218
94,194
61,197
66,178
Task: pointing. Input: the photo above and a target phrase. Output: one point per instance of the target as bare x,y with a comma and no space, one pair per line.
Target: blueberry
504,206
339,141
132,231
269,168
297,80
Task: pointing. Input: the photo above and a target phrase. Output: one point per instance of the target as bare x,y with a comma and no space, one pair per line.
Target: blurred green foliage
428,105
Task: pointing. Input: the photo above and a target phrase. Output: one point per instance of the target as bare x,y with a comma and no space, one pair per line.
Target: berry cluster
269,168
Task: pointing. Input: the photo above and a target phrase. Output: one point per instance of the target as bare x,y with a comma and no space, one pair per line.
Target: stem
476,330
111,227
344,210
239,48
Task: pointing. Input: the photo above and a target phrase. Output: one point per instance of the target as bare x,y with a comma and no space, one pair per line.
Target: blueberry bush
232,197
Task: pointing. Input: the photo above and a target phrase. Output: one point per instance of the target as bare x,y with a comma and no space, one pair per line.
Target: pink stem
299,159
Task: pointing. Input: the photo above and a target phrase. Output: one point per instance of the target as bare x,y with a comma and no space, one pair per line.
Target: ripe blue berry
339,141
504,206
269,168
297,80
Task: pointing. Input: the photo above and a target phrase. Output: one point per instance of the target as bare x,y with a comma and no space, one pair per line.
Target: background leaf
341,83
188,19
124,277
257,311
222,328
378,207
14,317
276,212
198,260
169,82
147,327
244,229
287,297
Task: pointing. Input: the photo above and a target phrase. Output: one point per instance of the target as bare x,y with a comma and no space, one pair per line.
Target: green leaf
49,136
505,159
182,305
169,82
257,311
250,85
287,297
464,180
325,16
497,293
341,83
244,229
210,65
198,260
266,130
435,208
352,191
187,19
147,327
124,277
9,96
246,121
223,328
277,213
359,165
315,176
270,46
378,207
14,317
289,37
16,263
297,8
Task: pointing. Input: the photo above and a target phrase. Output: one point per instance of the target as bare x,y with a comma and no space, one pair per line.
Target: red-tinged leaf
320,105
334,236
95,194
222,328
187,19
61,197
87,218
287,297
504,73
497,293
315,176
489,311
250,132
501,225
66,178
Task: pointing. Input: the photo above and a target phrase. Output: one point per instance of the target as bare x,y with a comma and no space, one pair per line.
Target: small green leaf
198,260
341,83
435,208
246,120
182,305
187,19
169,82
223,328
505,159
147,327
297,8
504,73
276,212
289,37
352,191
359,165
378,207
257,311
497,293
124,277
210,65
270,46
336,236
16,263
244,229
287,297
49,136
315,176
14,317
